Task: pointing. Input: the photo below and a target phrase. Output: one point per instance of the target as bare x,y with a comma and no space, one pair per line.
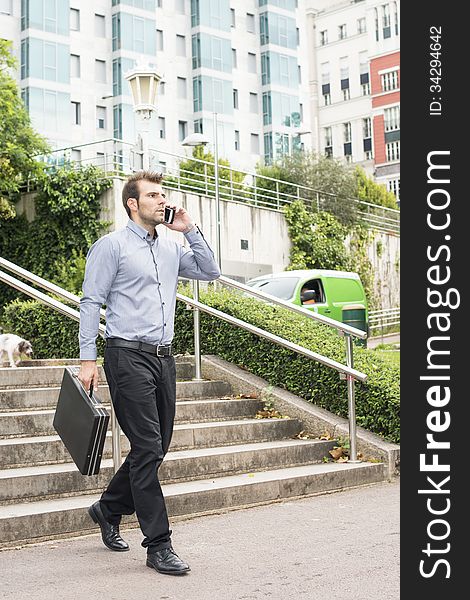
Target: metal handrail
72,314
378,217
348,371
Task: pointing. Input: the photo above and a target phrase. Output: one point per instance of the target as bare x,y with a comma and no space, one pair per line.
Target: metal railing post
351,401
116,439
197,333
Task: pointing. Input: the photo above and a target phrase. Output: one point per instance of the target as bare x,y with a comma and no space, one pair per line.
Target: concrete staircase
220,457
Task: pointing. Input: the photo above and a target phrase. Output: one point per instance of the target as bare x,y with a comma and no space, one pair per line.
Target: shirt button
163,303
164,324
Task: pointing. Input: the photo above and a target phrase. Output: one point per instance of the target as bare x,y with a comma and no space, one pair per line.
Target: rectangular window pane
181,87
100,26
251,63
74,65
100,71
254,139
180,45
74,19
101,117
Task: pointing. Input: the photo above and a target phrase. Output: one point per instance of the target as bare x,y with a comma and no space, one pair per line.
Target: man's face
151,205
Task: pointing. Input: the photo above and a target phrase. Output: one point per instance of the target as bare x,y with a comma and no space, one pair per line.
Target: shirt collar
139,230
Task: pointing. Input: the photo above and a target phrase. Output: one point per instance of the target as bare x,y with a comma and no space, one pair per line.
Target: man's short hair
131,187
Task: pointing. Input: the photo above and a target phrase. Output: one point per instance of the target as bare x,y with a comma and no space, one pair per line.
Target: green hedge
377,400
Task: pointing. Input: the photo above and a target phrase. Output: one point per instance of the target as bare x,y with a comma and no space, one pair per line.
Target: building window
250,23
323,38
342,32
100,71
100,26
161,127
5,7
76,113
346,93
25,58
197,95
361,25
392,118
267,108
232,15
367,135
393,185
234,58
254,140
328,141
182,130
180,7
253,103
76,155
159,3
395,18
376,20
365,87
393,150
386,29
251,62
180,45
347,132
299,72
159,39
74,65
235,98
268,148
181,87
161,88
389,81
198,127
326,99
74,19
237,140
101,117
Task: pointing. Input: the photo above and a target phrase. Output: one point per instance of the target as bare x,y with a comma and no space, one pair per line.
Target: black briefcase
81,422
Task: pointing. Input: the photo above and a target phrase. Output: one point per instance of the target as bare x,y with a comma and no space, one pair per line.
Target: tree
195,174
372,192
327,184
19,143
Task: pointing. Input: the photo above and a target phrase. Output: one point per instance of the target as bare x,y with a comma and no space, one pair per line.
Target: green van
335,294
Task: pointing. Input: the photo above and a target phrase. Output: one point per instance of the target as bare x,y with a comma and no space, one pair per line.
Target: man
134,271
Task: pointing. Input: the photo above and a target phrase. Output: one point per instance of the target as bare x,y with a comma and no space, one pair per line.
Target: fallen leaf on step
336,453
342,459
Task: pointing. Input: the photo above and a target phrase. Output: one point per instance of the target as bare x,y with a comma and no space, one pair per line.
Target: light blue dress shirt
136,276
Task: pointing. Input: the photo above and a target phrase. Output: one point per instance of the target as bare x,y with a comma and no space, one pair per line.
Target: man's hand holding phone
177,219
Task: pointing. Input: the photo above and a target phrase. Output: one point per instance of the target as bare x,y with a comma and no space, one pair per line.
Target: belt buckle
158,350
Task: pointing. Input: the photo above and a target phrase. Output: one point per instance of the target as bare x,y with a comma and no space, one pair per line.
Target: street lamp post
143,81
198,139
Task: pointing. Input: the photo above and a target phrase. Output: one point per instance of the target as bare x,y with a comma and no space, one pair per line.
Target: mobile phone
169,215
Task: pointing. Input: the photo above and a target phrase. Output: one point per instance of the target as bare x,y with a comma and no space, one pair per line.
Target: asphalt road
340,545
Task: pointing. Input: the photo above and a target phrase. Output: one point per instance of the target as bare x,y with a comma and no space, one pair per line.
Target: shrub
377,400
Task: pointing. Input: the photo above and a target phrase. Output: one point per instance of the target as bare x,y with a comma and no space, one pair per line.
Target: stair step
47,397
51,375
40,422
26,451
30,522
25,484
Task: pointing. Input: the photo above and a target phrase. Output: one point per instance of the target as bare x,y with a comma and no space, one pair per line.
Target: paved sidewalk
341,545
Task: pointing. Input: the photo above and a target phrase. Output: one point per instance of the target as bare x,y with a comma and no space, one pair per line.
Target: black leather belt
159,350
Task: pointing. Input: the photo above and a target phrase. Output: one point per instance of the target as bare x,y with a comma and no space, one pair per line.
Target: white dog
14,344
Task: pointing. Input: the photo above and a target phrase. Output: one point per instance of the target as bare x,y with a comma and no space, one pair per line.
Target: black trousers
143,392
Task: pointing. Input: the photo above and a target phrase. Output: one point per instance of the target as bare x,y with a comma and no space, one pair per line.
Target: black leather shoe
109,533
168,562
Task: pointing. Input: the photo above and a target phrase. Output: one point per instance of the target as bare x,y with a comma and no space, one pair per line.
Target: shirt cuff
193,234
88,354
